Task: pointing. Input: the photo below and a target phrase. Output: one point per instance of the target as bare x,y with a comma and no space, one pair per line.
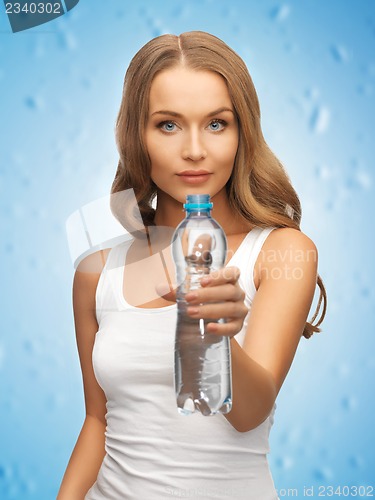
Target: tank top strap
107,291
246,256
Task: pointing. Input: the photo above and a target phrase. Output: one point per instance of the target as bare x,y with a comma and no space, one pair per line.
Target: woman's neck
170,212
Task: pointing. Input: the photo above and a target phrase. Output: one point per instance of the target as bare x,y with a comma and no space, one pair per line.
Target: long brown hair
258,189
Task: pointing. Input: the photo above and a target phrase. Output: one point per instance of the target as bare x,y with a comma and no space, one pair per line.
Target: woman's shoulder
86,279
289,237
289,246
94,262
91,266
287,255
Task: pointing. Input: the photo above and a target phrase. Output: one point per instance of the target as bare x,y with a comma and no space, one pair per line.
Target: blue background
313,64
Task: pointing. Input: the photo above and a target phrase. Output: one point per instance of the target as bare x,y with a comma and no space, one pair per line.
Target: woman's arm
89,451
286,270
84,462
285,276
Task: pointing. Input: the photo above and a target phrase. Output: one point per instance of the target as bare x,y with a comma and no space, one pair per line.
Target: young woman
189,122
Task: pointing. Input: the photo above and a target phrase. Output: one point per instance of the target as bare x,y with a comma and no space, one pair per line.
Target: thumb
166,291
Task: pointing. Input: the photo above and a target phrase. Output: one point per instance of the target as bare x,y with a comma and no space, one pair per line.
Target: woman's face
191,133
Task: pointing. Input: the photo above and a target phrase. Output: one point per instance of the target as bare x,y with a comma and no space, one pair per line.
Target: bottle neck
198,212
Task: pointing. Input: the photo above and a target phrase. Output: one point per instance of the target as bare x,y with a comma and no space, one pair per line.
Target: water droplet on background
323,172
9,248
322,474
355,461
280,13
340,53
348,403
320,118
370,70
284,463
365,89
342,370
67,41
31,102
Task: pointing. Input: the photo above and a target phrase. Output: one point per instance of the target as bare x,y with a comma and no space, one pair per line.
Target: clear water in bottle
202,359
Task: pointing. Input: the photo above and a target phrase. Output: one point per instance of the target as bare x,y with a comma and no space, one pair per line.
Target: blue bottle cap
198,201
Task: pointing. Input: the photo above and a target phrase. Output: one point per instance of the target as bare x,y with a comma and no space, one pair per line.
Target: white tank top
153,452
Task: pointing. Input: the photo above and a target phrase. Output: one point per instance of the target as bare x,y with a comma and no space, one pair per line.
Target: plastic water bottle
202,359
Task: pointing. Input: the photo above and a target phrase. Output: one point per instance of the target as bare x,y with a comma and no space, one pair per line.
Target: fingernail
191,296
212,327
192,310
206,281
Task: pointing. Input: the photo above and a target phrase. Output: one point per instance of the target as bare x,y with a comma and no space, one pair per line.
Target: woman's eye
167,126
217,125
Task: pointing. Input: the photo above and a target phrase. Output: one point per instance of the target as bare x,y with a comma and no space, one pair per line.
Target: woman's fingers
218,286
230,310
222,276
208,292
226,292
229,328
220,296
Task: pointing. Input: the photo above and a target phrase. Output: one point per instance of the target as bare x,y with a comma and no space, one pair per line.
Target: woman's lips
194,176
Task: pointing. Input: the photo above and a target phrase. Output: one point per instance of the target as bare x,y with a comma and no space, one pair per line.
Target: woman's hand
219,297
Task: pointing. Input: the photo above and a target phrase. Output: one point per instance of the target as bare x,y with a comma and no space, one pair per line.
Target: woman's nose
193,147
